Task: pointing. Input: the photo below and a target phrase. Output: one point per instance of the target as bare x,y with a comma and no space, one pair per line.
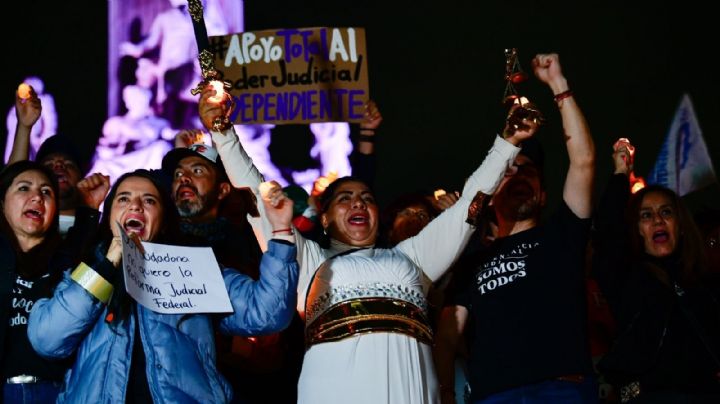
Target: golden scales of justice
514,74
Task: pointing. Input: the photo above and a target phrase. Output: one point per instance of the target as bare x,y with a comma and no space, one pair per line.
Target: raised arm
82,236
28,112
610,240
243,174
238,165
268,304
577,192
437,246
368,128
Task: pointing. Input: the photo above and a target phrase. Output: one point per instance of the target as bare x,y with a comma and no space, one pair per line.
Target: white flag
683,164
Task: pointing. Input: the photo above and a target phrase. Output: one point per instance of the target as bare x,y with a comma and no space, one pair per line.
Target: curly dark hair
327,196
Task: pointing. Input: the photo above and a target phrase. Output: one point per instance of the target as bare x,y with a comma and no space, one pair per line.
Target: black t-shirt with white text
20,357
526,298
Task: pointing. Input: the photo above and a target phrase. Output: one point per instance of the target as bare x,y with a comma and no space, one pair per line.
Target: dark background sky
436,70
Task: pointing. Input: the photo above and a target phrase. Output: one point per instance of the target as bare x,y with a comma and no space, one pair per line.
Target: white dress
375,367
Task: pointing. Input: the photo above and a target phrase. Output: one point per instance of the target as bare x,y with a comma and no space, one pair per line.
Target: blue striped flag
683,163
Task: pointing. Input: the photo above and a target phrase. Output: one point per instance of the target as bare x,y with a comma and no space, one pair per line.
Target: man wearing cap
59,155
524,294
201,189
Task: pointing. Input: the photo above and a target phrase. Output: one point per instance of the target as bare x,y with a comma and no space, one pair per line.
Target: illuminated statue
175,69
138,139
332,147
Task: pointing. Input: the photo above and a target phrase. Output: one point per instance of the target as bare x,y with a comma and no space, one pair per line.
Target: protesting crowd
482,295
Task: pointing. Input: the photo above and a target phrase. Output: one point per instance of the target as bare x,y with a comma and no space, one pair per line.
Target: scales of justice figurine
525,109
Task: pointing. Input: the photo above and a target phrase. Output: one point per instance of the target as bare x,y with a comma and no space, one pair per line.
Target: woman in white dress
367,335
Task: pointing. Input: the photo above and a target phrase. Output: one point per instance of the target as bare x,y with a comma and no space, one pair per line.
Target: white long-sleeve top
397,367
432,251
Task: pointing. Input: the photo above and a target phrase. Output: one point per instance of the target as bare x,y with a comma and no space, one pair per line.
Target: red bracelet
288,230
561,96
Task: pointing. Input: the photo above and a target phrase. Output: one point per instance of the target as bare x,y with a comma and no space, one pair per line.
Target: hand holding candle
272,192
623,156
322,183
219,91
215,106
28,107
24,91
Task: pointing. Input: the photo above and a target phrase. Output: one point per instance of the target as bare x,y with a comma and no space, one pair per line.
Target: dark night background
436,71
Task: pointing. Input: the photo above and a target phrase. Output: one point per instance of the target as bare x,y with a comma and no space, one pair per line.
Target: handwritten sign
174,280
295,75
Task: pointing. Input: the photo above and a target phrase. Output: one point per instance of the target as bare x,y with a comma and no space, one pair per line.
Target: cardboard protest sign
295,75
174,280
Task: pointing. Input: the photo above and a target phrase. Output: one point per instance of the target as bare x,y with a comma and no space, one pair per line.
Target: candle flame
219,90
638,183
623,141
24,91
267,187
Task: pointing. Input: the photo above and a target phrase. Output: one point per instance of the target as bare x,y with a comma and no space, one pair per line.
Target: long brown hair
689,250
35,261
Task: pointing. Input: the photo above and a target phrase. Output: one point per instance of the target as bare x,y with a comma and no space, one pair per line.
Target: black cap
533,150
63,145
209,153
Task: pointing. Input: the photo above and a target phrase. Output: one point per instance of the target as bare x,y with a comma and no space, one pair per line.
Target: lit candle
267,187
219,90
24,91
623,141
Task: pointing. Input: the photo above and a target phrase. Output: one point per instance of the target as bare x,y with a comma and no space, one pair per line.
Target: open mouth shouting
186,192
359,219
135,224
36,215
661,236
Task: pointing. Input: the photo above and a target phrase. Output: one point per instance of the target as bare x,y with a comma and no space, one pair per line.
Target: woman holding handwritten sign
367,333
125,352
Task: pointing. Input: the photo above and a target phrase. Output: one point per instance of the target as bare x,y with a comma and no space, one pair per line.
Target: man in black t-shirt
524,294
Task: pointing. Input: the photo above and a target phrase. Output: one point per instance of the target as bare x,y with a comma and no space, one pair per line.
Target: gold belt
366,315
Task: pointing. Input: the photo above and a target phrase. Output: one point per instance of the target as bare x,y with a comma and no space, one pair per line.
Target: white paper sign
174,280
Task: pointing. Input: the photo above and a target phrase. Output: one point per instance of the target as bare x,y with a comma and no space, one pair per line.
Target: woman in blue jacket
126,352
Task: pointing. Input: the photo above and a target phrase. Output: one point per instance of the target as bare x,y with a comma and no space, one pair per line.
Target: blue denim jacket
180,355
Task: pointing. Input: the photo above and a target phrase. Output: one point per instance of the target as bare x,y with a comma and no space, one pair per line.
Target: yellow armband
93,282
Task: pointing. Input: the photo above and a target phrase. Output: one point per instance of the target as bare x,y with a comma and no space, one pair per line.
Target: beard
528,210
518,202
189,208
